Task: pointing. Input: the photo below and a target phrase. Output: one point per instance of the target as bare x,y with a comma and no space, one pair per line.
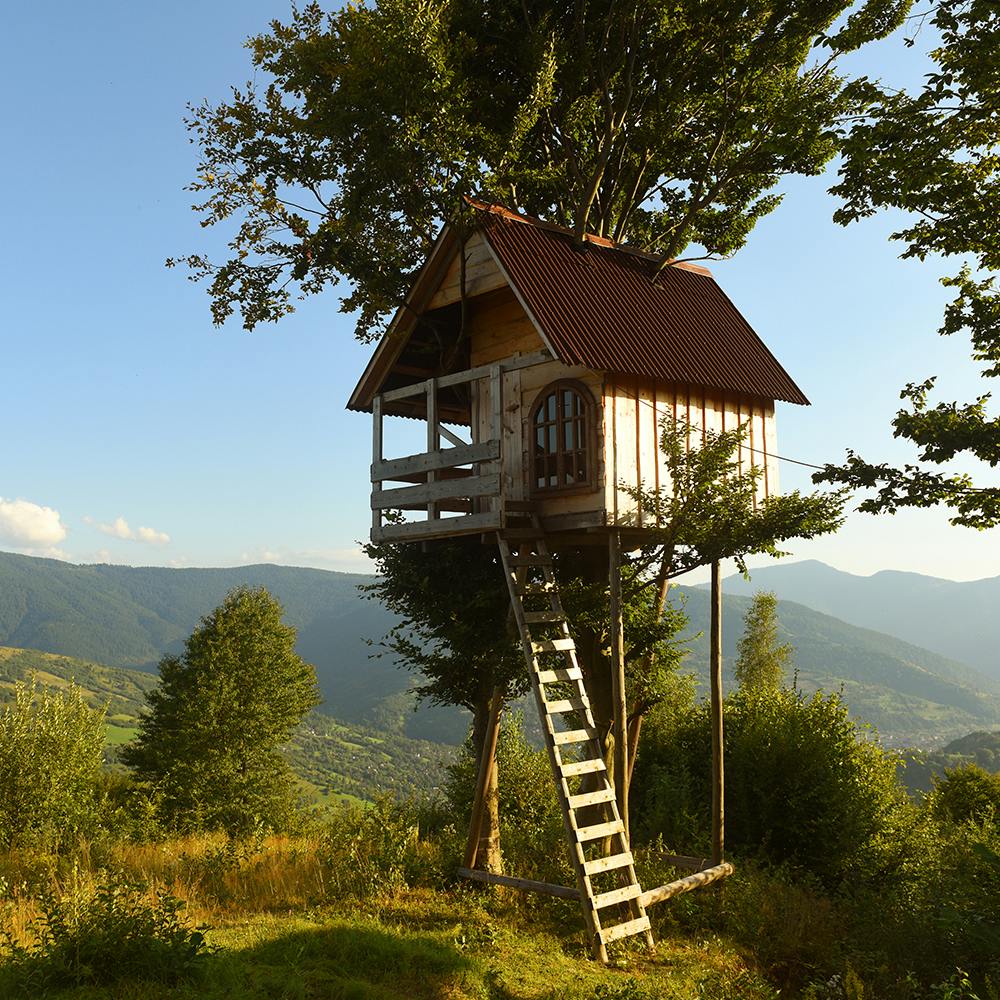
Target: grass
276,933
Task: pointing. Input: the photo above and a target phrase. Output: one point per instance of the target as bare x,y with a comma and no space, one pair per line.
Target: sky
134,431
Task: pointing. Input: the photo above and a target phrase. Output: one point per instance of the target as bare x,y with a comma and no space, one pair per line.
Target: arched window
562,427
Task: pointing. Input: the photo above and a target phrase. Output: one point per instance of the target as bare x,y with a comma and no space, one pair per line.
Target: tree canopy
210,742
664,124
933,156
761,661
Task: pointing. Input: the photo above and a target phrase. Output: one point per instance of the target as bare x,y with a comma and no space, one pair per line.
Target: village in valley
577,580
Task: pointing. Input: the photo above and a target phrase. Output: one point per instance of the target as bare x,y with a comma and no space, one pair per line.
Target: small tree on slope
210,742
761,663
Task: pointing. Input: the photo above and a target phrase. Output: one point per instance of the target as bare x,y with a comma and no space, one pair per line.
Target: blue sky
135,431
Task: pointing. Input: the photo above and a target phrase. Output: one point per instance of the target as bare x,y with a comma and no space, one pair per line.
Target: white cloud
120,528
31,528
152,536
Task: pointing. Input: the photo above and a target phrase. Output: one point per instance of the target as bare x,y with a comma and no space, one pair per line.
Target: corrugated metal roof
606,308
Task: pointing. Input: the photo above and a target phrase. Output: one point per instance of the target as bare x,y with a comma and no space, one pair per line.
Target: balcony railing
463,478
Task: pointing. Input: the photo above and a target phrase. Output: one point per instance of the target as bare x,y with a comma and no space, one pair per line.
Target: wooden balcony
456,484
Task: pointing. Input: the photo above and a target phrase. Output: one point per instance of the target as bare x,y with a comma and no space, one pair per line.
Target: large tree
933,156
210,741
761,660
664,124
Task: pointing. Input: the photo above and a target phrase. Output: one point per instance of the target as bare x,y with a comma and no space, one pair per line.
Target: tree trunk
487,855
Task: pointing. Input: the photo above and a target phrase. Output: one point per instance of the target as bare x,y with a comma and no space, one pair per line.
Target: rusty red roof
605,307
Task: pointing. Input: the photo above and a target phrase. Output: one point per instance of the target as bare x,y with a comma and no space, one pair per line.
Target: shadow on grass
343,961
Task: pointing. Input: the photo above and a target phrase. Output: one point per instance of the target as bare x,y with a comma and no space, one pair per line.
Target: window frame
589,439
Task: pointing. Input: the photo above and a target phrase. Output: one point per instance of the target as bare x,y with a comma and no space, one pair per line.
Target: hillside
332,759
955,619
913,696
974,748
129,617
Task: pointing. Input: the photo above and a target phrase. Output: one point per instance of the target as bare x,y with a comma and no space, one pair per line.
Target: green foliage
451,603
51,750
531,830
932,156
371,852
117,934
708,509
803,785
762,663
967,794
210,743
375,120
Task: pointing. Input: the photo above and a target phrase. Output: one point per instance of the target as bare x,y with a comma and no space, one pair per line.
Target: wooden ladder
599,851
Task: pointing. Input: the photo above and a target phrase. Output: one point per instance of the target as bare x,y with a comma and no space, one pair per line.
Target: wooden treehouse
541,370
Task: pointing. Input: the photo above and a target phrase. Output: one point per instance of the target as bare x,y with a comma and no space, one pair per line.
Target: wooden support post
619,723
715,672
433,439
376,457
487,764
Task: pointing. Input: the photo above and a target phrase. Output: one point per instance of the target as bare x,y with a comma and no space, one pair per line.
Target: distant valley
129,617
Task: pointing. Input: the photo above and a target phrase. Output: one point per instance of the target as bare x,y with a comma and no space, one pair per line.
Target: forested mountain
955,619
980,748
129,617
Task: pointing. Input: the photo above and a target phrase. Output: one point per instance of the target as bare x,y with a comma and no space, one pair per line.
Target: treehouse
542,369
539,371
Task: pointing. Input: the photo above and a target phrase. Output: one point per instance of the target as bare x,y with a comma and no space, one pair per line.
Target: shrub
112,934
51,752
372,851
531,830
966,794
803,785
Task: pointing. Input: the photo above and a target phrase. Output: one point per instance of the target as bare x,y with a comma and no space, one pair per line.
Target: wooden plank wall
633,410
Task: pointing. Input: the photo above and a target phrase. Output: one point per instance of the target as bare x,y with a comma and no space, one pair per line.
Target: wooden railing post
376,458
496,419
619,718
433,439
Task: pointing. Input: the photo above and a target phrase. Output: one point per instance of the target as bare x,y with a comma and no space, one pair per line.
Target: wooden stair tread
597,865
567,705
552,645
560,675
599,830
572,736
572,768
618,931
623,895
585,799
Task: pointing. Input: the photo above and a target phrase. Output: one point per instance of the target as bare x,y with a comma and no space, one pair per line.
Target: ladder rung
609,863
543,617
591,798
572,736
636,926
617,896
558,676
599,830
574,767
529,560
566,705
552,645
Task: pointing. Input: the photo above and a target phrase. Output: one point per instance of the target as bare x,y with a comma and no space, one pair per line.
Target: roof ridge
494,208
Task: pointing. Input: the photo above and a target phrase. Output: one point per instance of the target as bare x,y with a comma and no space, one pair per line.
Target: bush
113,934
372,851
531,831
803,786
51,753
966,795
